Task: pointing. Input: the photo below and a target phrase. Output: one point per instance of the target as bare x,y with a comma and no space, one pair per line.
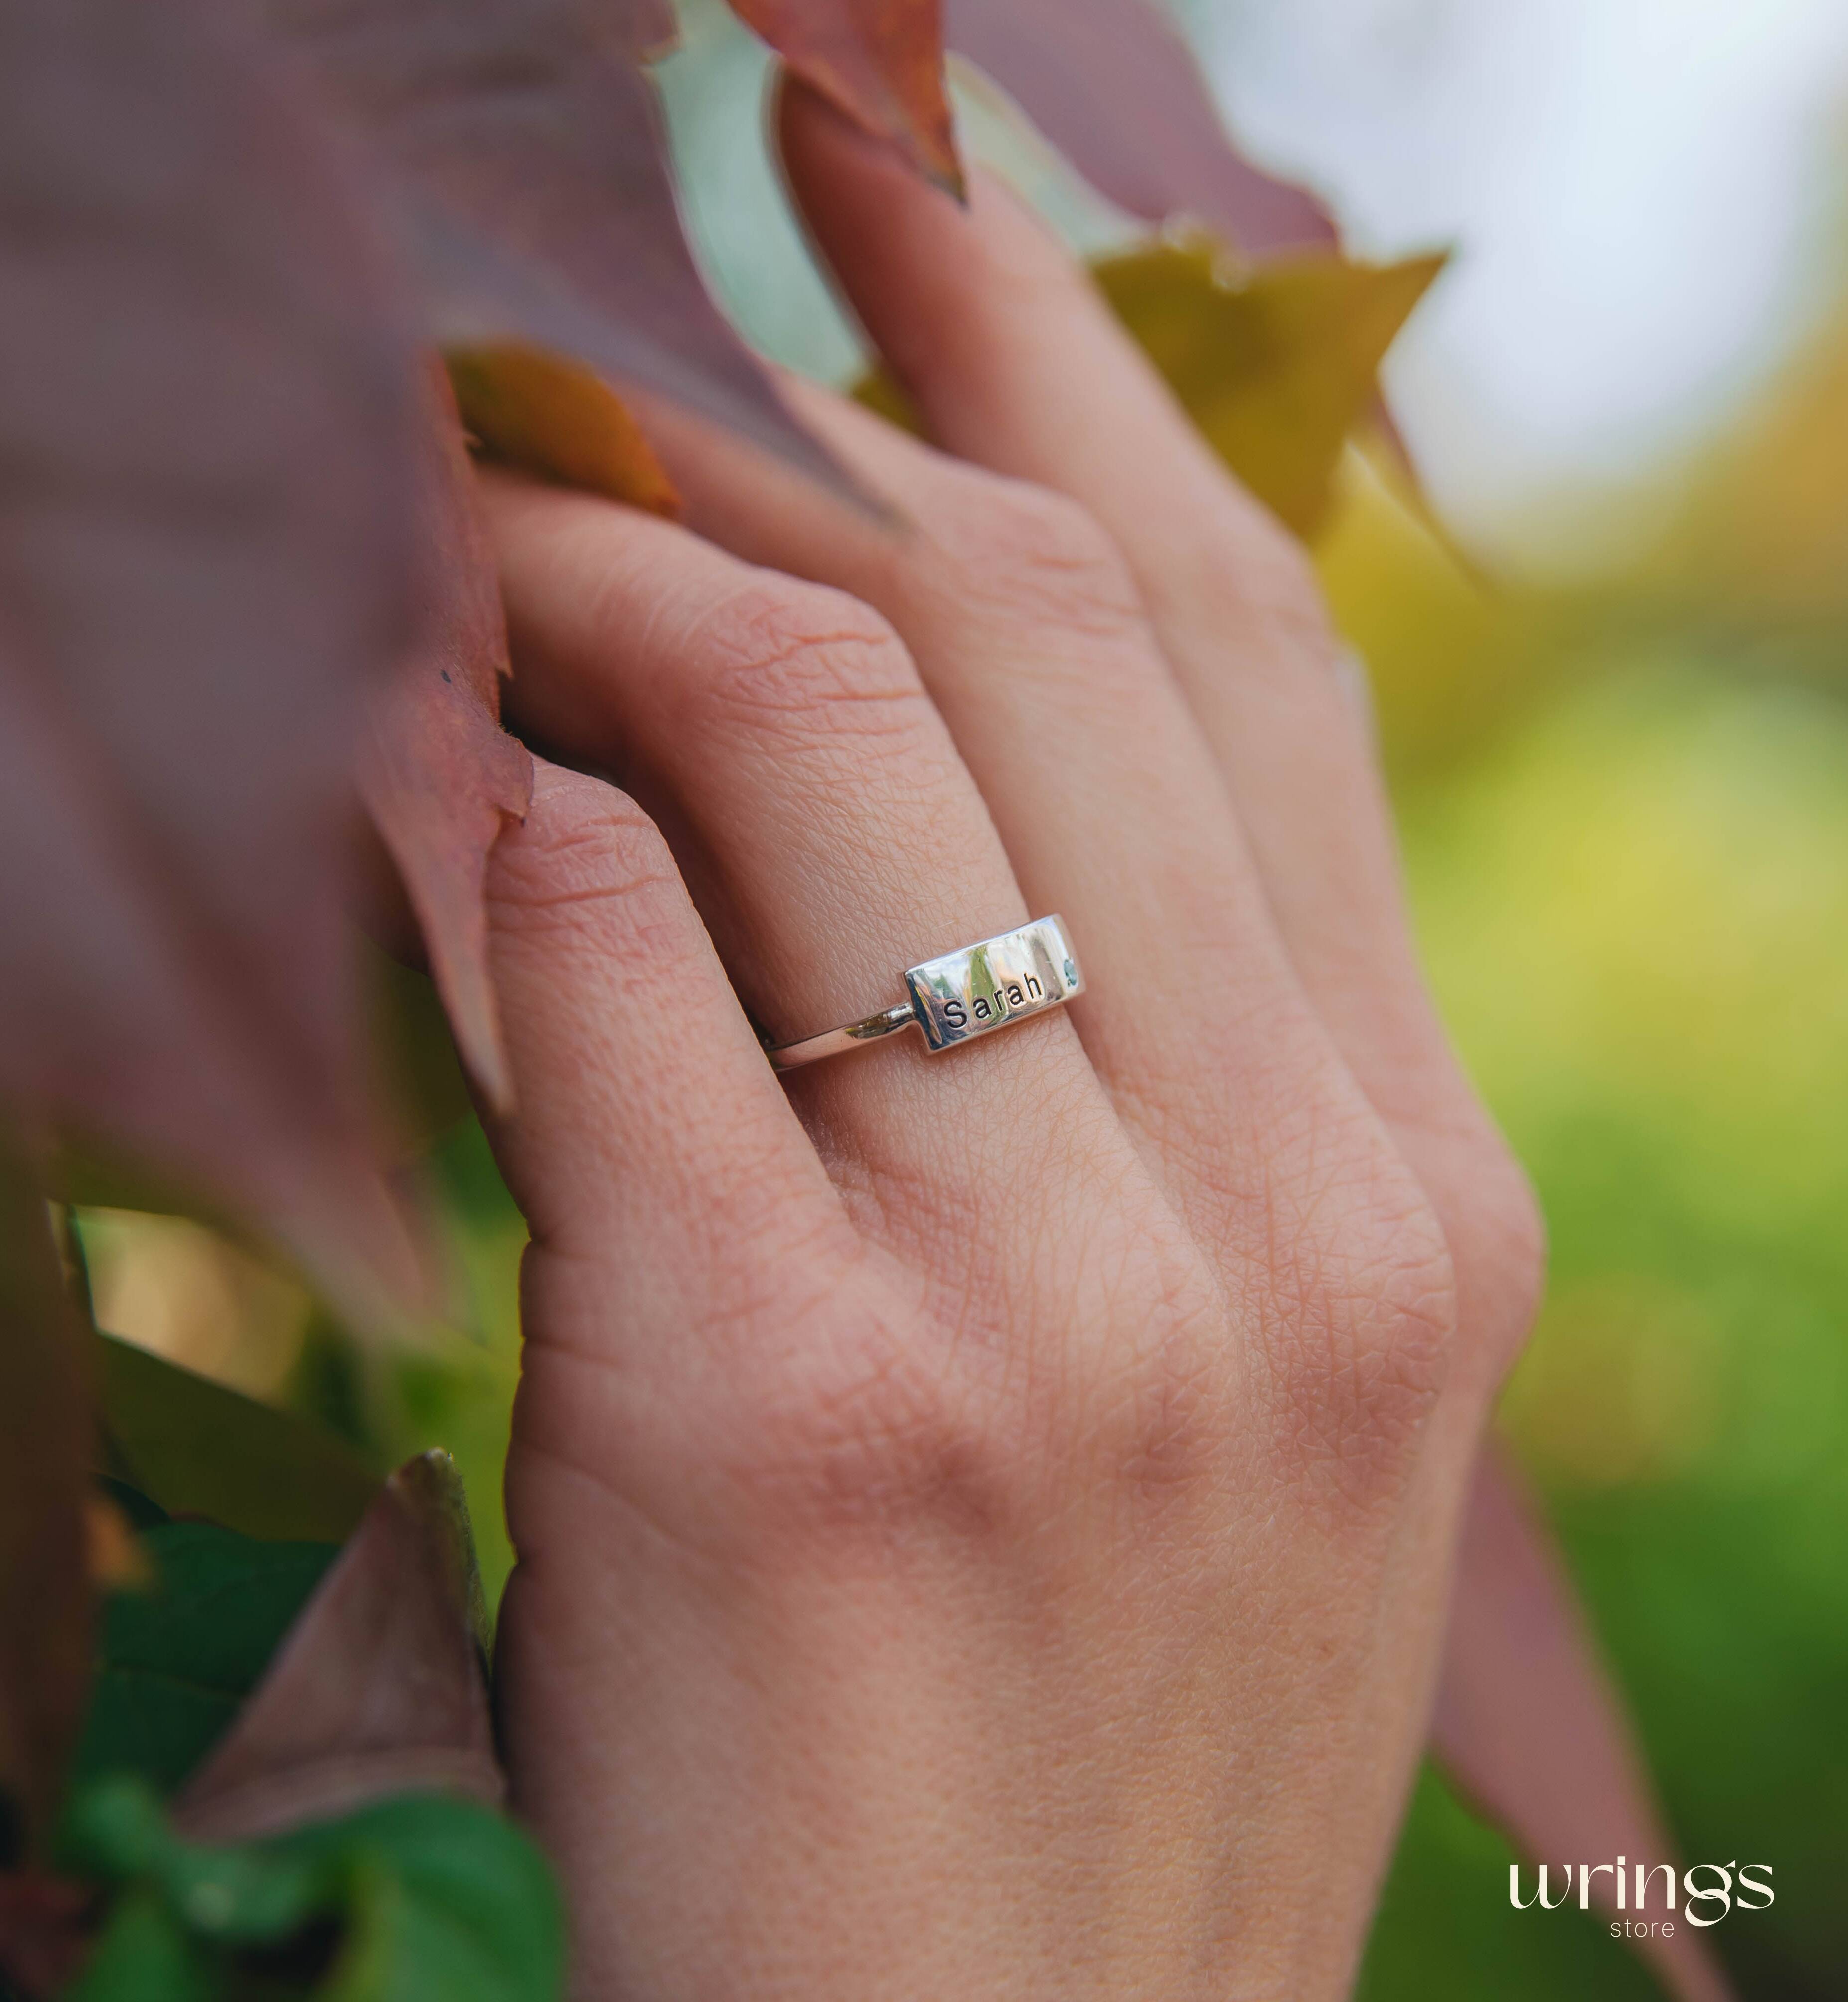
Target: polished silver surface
962,995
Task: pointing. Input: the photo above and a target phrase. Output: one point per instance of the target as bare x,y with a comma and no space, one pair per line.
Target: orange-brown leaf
880,61
549,415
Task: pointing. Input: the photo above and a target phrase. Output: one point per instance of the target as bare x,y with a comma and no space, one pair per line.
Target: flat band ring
962,995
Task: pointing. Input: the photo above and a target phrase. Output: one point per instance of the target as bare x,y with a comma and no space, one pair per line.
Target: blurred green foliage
1439,1935
1635,910
420,1898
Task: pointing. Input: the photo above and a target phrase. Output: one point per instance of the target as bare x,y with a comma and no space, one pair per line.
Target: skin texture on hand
984,1521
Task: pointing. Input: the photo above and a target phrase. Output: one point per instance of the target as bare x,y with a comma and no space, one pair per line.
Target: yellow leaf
882,396
557,419
1276,366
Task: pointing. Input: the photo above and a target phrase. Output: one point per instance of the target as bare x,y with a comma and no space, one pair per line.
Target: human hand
984,1520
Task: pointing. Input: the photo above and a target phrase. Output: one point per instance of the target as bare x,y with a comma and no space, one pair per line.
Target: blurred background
1614,699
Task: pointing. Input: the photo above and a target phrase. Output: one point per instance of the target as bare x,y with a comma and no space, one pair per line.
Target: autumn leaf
379,1687
553,416
880,61
45,1584
526,166
440,776
205,418
1113,85
1276,366
1528,1725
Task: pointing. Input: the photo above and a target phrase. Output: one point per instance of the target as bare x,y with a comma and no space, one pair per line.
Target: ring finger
829,831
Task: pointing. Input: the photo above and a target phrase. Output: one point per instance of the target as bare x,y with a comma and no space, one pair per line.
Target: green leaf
450,1902
433,1899
44,1584
197,1448
144,1953
117,1829
415,1048
176,1662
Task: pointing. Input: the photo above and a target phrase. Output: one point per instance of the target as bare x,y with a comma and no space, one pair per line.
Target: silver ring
963,994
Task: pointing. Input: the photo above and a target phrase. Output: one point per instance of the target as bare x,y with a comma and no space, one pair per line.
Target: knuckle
804,663
863,1431
1249,573
1036,555
587,856
1500,1242
1166,1422
1362,1303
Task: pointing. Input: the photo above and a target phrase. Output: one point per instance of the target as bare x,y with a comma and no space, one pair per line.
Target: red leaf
205,406
528,171
1530,1727
1113,85
439,774
377,1687
44,1457
881,61
42,1935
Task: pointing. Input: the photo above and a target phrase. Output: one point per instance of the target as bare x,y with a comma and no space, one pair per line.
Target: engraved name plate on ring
967,993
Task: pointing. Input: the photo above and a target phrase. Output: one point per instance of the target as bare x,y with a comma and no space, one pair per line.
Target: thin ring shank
837,1042
962,995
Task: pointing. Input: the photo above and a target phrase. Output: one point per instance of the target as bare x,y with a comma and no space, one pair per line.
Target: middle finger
1031,638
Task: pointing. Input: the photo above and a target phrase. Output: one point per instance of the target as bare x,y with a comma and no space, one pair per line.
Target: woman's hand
984,1520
